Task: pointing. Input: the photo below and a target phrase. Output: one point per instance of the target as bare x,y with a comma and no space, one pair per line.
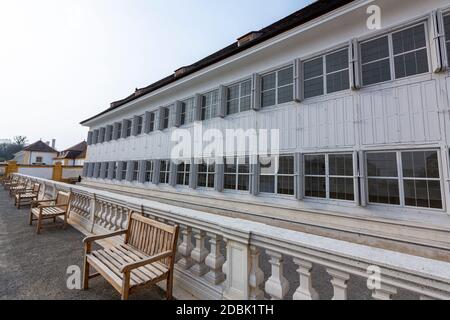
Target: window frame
240,97
237,173
400,180
187,112
149,172
391,52
277,87
325,74
140,125
205,109
446,15
165,117
276,175
123,171
208,173
135,171
327,176
129,128
186,172
164,170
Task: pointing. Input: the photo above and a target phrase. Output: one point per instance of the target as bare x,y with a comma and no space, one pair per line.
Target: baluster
256,277
339,282
124,218
305,291
185,248
215,260
199,254
276,286
384,292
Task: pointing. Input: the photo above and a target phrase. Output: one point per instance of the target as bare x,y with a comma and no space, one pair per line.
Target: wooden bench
14,181
21,186
27,196
50,209
146,256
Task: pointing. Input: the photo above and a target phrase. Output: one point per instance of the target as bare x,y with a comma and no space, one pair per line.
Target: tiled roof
40,146
294,20
75,152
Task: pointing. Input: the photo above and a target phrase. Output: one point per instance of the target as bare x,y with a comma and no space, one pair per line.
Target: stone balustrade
226,258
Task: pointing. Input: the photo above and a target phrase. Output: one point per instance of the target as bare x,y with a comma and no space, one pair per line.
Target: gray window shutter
90,170
119,170
116,134
193,175
95,137
178,107
108,133
89,138
142,166
298,81
298,170
256,92
85,169
438,48
354,63
156,171
111,169
219,177
130,165
223,97
103,170
160,119
173,174
124,129
134,128
199,101
101,137
147,118
362,178
254,177
97,170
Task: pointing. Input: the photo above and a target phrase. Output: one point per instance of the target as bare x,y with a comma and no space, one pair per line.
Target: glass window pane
230,182
375,49
341,164
420,165
338,81
409,39
268,98
233,106
313,68
411,63
267,184
315,165
233,92
244,182
315,187
435,194
313,87
245,104
375,72
337,61
286,165
268,81
246,88
342,189
285,185
201,180
285,94
382,164
384,191
285,77
423,194
211,181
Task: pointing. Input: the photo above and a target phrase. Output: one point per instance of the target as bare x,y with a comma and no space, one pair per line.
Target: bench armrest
135,265
104,236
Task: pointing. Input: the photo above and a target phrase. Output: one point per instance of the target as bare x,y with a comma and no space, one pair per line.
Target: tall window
135,171
326,74
124,171
119,131
277,87
405,50
239,97
329,176
149,169
183,172
164,173
104,174
187,111
109,133
152,122
237,174
409,178
165,118
206,174
211,105
129,125
447,34
140,122
277,175
114,175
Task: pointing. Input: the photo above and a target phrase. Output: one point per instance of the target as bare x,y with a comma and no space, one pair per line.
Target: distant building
38,153
73,156
5,141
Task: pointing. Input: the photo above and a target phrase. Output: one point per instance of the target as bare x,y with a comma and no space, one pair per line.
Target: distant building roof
40,146
76,152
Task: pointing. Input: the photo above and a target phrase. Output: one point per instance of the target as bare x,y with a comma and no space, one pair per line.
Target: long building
362,113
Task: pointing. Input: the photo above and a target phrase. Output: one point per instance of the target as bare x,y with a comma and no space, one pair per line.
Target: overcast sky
63,61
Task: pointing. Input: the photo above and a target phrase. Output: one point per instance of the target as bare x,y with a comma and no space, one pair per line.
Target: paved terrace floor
34,267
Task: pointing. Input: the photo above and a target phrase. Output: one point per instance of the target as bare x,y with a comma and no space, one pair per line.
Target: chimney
248,37
53,143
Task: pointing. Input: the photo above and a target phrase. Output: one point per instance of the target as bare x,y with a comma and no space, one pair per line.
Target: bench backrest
152,237
62,198
36,187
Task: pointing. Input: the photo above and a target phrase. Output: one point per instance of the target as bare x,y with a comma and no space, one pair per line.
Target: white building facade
362,115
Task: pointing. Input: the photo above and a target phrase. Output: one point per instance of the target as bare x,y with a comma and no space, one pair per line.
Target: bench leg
38,228
169,286
65,221
31,217
86,274
126,286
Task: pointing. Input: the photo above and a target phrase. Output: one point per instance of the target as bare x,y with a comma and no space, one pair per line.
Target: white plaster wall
39,172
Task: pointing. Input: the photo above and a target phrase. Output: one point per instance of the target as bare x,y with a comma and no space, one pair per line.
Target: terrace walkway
34,267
